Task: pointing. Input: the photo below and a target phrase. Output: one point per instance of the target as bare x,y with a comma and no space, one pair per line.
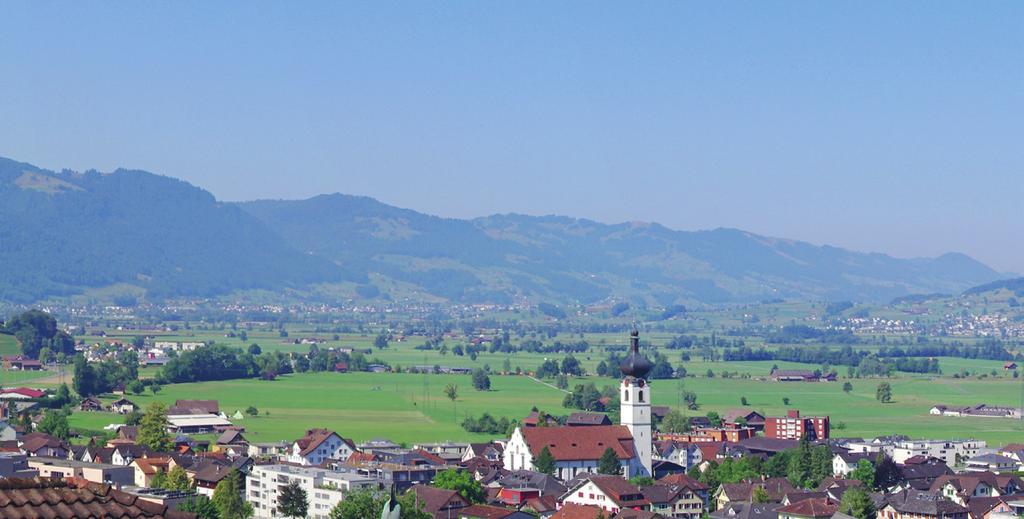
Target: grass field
9,345
367,405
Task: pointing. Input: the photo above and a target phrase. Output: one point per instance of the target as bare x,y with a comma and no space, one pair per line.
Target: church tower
635,406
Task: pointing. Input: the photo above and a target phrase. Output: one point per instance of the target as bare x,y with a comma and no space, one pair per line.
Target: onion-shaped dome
635,365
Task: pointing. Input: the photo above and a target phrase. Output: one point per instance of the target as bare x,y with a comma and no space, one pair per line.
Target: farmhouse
186,407
123,406
800,375
195,423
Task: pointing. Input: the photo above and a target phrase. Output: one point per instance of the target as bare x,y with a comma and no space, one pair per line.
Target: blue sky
891,126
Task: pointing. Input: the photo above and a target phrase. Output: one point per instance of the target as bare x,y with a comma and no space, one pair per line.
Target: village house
90,404
914,504
439,502
678,495
60,468
318,446
146,468
844,462
123,406
40,444
963,487
610,493
814,508
491,512
776,488
745,417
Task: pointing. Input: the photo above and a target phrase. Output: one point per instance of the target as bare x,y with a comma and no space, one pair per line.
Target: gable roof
580,443
436,499
814,507
587,419
314,437
924,503
195,407
683,481
574,511
621,492
230,436
485,512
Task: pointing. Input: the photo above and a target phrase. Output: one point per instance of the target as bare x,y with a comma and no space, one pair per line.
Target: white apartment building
945,450
324,488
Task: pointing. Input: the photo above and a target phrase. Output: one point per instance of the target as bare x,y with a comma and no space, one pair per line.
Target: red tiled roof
76,500
485,512
435,499
622,492
24,391
818,507
580,443
684,481
574,511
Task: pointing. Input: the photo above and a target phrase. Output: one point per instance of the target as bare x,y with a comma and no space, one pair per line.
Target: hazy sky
893,126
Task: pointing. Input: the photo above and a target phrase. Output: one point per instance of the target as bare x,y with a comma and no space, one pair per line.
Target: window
641,399
625,396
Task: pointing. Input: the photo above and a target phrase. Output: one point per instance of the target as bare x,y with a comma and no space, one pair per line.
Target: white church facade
578,449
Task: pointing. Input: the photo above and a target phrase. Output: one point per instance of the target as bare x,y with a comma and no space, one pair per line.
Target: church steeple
635,365
635,406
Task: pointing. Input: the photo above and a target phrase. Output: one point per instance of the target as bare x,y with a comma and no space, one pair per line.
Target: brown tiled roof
485,512
153,465
314,437
622,492
436,499
542,504
580,443
574,511
816,507
31,499
35,441
684,481
979,506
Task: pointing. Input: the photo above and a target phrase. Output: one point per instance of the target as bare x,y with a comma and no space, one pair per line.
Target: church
579,449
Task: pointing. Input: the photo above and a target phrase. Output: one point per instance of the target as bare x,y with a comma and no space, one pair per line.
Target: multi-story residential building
324,488
794,427
950,451
609,493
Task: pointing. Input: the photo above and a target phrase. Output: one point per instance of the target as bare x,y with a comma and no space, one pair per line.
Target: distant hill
567,258
1015,285
64,232
61,232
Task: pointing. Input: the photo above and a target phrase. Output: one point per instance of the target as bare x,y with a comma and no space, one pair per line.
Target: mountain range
65,232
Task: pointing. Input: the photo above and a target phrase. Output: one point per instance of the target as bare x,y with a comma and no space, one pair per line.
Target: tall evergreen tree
227,497
545,462
857,502
152,430
292,501
609,463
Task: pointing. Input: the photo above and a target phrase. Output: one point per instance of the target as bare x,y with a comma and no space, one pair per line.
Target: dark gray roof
747,511
923,503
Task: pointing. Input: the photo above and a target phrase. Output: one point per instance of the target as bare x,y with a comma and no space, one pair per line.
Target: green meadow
396,406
